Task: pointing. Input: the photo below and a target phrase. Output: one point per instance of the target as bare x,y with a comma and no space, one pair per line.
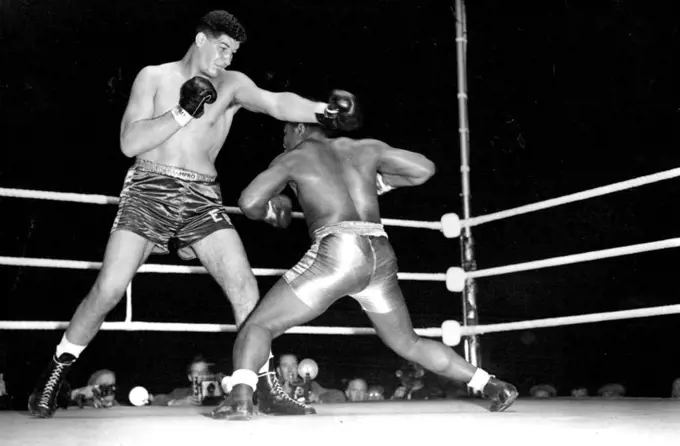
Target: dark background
564,96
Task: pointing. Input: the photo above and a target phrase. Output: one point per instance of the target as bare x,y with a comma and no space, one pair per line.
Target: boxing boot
273,400
50,392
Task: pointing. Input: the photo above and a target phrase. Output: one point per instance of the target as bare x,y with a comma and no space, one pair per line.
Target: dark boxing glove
194,94
279,211
341,113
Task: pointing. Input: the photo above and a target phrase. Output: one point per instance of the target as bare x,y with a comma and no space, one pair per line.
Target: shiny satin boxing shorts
160,202
351,258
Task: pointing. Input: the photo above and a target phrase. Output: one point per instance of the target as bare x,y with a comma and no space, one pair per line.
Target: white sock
243,376
265,367
65,346
479,380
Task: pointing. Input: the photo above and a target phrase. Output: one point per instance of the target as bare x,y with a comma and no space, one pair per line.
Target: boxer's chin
212,72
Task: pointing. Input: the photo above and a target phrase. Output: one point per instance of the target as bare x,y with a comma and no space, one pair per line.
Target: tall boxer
176,122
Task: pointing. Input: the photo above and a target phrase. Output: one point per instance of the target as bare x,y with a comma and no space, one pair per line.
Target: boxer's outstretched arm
401,168
284,106
268,184
139,130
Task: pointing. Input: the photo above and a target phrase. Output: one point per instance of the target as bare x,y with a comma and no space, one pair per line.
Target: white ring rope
437,225
576,258
104,199
450,329
201,328
452,332
176,269
571,320
604,190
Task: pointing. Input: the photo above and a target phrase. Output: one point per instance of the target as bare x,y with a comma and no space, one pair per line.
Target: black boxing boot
273,400
49,393
501,394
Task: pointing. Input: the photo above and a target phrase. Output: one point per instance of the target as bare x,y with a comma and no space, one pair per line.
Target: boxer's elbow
425,171
127,150
128,145
251,206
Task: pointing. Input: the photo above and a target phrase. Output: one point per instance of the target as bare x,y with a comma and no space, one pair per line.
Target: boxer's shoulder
360,147
159,71
230,80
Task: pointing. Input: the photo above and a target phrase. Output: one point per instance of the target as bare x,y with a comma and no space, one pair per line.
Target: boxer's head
357,390
296,132
288,368
218,37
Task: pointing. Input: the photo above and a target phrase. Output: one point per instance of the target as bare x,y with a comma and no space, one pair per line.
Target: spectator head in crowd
543,391
100,391
5,400
675,390
3,386
357,390
199,368
613,390
411,381
579,392
288,368
376,393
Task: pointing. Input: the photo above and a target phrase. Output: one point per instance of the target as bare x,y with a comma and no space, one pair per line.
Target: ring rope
575,258
177,269
598,191
201,328
105,199
474,221
570,320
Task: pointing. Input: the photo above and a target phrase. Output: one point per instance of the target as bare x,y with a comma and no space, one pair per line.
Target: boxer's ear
200,39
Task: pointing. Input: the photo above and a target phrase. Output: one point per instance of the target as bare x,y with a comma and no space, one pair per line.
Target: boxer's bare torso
195,146
335,179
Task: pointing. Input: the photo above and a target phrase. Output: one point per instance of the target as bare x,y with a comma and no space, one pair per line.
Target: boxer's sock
66,346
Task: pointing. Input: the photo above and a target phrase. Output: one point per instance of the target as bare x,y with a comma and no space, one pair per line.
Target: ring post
471,344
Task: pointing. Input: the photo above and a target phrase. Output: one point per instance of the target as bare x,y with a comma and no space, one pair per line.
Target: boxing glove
193,95
279,211
341,113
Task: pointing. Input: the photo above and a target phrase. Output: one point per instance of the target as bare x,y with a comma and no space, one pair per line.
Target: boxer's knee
242,292
107,291
406,346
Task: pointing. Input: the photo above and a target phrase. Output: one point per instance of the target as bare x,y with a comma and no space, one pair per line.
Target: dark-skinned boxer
337,182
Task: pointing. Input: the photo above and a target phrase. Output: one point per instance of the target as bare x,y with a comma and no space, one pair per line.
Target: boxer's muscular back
336,181
197,145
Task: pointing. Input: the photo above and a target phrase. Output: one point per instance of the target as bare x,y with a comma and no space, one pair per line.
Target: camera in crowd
211,389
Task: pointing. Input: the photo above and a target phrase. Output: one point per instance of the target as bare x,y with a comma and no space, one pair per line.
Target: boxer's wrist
180,115
321,109
381,185
270,216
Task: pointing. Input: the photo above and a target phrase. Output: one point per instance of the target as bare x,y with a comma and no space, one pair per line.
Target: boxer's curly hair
220,22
